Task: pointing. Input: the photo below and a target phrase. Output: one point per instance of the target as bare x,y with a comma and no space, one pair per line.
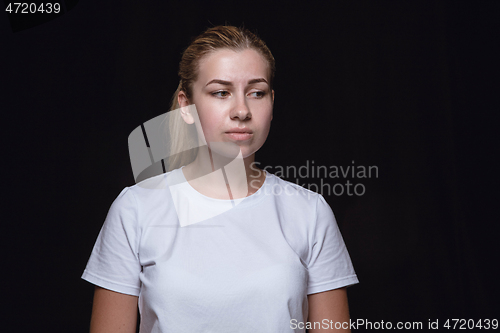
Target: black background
411,87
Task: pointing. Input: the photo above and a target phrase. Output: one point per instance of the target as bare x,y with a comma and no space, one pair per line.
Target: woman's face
233,99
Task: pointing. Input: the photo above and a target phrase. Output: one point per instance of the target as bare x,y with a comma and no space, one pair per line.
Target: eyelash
215,93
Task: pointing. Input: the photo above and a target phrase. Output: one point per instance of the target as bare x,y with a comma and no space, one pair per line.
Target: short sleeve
330,266
114,261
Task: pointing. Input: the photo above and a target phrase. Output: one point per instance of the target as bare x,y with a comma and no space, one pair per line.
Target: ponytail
182,137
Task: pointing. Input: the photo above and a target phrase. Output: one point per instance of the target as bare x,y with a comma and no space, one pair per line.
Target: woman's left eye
258,94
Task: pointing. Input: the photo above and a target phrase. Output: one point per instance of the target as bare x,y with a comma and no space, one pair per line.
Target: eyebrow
229,83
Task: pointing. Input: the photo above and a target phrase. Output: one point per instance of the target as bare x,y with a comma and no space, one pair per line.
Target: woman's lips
239,136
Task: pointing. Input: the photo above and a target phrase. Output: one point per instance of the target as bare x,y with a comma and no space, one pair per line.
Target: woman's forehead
227,64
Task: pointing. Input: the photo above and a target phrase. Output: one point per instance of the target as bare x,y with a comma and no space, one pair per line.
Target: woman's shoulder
158,182
292,192
144,191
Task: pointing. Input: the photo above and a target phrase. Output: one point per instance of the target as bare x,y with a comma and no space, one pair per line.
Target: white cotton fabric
247,267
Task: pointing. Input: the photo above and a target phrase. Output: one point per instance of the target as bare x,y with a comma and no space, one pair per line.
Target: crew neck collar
180,182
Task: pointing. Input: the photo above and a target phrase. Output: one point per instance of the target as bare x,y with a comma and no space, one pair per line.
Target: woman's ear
272,94
184,103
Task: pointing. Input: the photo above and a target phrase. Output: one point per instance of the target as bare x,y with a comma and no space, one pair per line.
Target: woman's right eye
221,93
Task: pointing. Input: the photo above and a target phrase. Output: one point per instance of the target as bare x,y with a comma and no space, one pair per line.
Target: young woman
216,244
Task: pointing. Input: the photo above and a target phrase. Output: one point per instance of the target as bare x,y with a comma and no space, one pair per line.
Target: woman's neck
222,177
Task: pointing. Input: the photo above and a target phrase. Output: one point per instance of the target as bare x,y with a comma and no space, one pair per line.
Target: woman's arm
331,305
113,312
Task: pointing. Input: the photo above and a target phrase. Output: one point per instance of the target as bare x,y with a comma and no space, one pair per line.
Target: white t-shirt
248,266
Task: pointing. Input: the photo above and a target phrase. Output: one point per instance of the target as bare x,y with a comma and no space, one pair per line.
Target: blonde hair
181,135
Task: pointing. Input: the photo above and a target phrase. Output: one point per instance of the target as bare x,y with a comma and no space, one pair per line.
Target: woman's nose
241,110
